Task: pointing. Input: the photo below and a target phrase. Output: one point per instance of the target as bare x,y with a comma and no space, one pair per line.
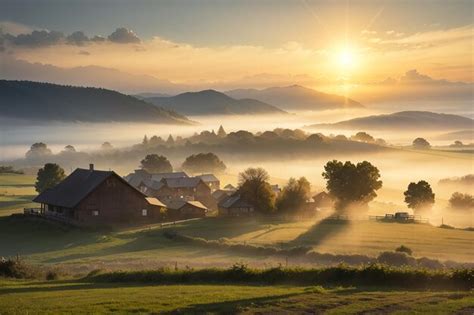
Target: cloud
123,36
35,38
14,28
77,38
84,53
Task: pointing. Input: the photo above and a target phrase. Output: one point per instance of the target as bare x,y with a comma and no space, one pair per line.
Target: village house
181,209
89,197
235,206
140,179
211,180
187,189
323,200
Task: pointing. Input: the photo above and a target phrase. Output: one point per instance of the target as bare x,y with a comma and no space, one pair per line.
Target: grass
83,297
16,193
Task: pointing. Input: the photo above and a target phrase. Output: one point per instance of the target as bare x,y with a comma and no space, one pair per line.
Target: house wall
118,204
201,193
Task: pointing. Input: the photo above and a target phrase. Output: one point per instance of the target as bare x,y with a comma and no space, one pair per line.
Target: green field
16,192
81,297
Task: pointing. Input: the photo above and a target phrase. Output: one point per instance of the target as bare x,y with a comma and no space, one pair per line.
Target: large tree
255,189
154,163
294,195
204,163
48,177
38,150
419,196
461,201
421,143
350,183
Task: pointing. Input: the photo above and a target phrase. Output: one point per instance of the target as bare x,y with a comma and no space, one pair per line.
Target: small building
139,177
89,197
212,181
235,206
181,209
230,187
323,200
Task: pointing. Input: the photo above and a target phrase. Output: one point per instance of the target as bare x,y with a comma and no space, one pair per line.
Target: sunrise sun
346,58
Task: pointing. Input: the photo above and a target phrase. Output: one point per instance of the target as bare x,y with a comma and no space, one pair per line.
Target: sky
246,43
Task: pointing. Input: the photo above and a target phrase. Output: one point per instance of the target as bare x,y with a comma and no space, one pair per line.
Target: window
95,213
144,212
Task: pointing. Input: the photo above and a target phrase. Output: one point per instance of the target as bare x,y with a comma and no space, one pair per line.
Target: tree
419,195
315,138
170,140
350,183
294,195
106,146
421,143
457,144
69,148
221,132
203,163
461,201
145,140
255,189
154,163
363,137
48,177
38,150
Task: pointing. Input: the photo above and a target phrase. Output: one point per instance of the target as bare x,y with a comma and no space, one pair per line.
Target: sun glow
346,58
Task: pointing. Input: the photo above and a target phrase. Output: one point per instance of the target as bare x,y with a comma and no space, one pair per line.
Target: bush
51,275
371,275
17,268
404,249
396,259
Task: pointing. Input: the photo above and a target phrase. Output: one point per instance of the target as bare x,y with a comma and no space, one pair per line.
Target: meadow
77,297
16,192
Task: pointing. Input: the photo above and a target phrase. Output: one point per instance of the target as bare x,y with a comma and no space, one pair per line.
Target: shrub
404,249
51,275
16,268
396,259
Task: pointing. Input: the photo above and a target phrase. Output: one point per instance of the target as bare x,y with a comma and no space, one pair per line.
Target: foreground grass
58,297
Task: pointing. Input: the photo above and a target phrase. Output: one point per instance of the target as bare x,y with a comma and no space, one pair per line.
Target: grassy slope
16,192
75,297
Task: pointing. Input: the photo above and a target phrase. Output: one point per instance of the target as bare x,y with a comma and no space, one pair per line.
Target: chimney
91,167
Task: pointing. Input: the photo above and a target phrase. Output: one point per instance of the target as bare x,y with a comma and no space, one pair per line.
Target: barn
89,197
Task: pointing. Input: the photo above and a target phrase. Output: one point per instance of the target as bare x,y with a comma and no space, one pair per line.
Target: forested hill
211,102
50,102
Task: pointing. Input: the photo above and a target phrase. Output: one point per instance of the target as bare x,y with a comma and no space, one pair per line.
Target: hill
36,101
406,120
211,102
295,97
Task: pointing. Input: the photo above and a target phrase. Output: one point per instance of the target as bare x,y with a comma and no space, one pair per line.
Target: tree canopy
421,143
154,163
294,195
48,177
419,195
350,183
38,150
204,163
461,201
255,189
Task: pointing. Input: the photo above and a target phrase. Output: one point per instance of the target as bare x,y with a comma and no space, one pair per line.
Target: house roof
74,188
160,176
218,194
208,178
229,187
153,184
186,182
234,201
155,202
177,204
142,176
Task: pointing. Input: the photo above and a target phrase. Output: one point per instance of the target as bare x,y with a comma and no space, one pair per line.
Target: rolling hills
34,101
405,120
295,97
211,102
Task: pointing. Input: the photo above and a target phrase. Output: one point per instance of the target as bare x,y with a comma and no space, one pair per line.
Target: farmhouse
323,200
181,209
211,180
141,179
89,197
235,206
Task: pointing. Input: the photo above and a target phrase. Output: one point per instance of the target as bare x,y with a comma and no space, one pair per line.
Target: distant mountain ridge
50,102
211,102
405,120
295,97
